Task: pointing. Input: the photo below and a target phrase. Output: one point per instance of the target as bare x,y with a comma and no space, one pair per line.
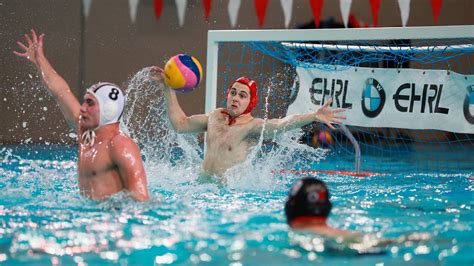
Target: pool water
44,221
192,221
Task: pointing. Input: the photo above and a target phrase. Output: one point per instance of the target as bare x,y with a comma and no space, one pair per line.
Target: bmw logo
373,98
469,105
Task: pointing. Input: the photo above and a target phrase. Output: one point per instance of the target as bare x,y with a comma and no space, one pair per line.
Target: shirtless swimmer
232,131
109,160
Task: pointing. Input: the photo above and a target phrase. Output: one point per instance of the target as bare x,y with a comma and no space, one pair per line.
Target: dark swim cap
308,197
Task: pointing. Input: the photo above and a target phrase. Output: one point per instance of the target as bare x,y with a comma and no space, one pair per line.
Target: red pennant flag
207,8
375,7
436,6
316,7
261,8
158,7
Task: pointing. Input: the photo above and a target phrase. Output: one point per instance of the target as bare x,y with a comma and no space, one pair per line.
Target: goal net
408,92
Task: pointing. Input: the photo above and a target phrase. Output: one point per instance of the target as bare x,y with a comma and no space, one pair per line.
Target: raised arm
180,121
324,115
126,155
58,87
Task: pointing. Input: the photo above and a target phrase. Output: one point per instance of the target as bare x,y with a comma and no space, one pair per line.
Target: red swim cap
252,85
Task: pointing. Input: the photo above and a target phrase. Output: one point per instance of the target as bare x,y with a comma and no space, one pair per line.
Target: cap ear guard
296,187
111,102
109,111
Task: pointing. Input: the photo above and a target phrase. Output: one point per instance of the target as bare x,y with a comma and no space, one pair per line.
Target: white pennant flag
87,7
287,6
133,5
404,10
233,9
345,6
181,5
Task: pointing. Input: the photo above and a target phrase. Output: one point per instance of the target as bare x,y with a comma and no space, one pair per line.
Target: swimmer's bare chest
98,176
224,138
226,145
95,162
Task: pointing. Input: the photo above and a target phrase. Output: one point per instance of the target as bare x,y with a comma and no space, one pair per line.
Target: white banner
396,98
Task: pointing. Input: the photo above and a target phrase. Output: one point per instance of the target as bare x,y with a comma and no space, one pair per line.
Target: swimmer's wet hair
308,197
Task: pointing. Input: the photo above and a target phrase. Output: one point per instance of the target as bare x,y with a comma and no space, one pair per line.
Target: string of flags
261,6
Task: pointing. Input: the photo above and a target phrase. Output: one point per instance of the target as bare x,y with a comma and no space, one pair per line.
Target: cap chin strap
232,119
88,137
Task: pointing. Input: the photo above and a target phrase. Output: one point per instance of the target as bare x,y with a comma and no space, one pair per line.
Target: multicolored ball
183,73
322,139
325,138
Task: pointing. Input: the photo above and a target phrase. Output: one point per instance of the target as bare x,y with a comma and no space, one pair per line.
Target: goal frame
217,36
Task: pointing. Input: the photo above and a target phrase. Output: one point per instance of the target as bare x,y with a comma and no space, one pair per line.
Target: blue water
44,221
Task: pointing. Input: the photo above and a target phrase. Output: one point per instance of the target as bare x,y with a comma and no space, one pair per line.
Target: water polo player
109,160
232,131
308,207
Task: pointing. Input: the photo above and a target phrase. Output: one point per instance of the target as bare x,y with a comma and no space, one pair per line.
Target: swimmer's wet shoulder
125,154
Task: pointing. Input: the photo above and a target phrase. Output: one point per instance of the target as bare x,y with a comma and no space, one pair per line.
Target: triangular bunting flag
233,9
316,7
158,5
375,7
436,6
133,4
287,6
261,8
345,6
86,4
404,10
181,5
207,8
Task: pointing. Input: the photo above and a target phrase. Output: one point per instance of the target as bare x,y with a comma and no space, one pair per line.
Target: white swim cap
111,102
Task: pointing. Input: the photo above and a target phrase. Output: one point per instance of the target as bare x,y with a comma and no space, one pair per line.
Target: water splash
44,220
178,157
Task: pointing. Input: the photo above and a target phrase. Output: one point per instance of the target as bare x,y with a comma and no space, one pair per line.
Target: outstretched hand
330,116
156,73
34,48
